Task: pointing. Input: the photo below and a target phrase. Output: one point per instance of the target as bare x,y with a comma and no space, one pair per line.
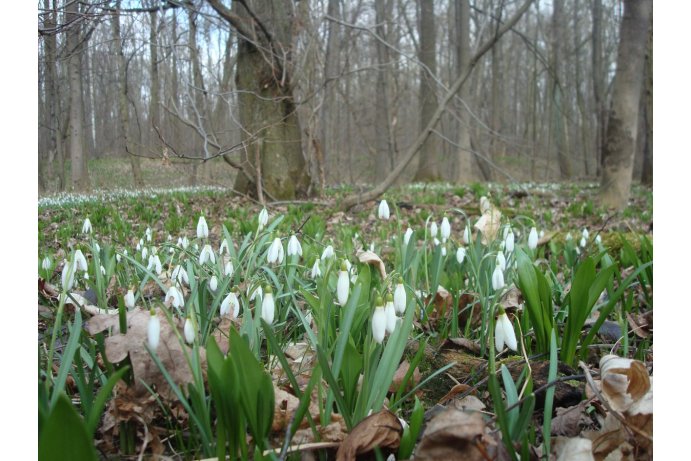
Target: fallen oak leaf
382,429
624,381
369,257
455,435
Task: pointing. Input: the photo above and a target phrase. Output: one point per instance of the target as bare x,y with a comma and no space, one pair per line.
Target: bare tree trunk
598,84
154,103
622,125
429,168
646,136
331,71
199,99
465,172
384,155
557,101
80,172
123,109
45,165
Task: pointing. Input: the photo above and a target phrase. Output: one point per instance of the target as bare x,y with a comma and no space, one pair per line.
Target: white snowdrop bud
504,333
294,247
433,229
202,228
399,297
328,252
316,271
390,311
86,227
275,253
383,211
189,331
445,229
343,285
497,278
268,306
460,255
263,218
207,255
509,242
408,234
379,321
129,299
213,283
532,239
466,235
153,331
501,260
228,269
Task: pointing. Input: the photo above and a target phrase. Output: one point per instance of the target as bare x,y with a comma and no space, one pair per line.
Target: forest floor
538,393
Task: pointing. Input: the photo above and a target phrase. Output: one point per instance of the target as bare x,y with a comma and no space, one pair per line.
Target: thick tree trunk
429,168
80,172
464,173
267,109
558,131
123,109
620,142
154,103
384,156
598,84
331,71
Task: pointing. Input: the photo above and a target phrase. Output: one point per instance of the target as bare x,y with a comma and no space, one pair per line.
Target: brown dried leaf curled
369,257
381,429
454,435
624,381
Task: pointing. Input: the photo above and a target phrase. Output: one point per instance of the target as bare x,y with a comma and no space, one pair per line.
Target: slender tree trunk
154,103
465,172
331,71
622,125
557,111
80,172
123,109
646,137
429,168
46,165
199,100
598,83
384,154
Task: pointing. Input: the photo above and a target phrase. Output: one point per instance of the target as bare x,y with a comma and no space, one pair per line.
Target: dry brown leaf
469,403
573,449
454,435
400,375
170,350
457,389
369,257
489,224
512,299
467,344
381,429
568,420
624,381
641,324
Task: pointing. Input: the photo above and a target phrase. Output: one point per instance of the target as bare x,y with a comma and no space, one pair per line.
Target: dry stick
354,199
602,399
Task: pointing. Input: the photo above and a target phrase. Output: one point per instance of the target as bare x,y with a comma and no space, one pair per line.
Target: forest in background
353,83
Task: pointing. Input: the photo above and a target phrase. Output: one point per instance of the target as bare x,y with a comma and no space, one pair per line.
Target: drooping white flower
118,257
294,247
153,331
268,306
568,236
316,271
399,297
379,321
97,247
86,227
147,233
509,242
328,252
598,239
484,204
408,234
155,263
202,228
504,333
213,283
275,253
443,250
129,299
179,275
433,229
501,260
343,285
390,311
258,292
189,331
585,234
445,229
46,264
224,246
436,242
532,239
383,211
541,233
68,271
583,242
229,269
80,261
230,302
103,270
207,254
139,245
460,255
497,278
174,297
184,242
263,218
145,253
466,235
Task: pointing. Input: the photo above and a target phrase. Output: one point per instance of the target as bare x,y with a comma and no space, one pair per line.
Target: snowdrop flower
294,247
497,278
383,211
436,242
484,204
118,257
153,331
169,238
275,253
179,275
174,296
445,229
460,255
86,227
343,285
433,229
129,299
145,253
263,218
224,246
598,239
503,333
80,261
583,242
568,237
328,252
213,283
408,234
97,247
532,239
466,235
501,260
443,250
184,242
268,306
509,242
68,271
585,234
390,311
379,321
202,228
228,269
257,293
542,233
316,271
230,301
155,262
189,331
45,264
399,301
103,270
207,254
148,234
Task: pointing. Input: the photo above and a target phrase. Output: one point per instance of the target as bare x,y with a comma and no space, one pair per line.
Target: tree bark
80,172
598,83
464,173
557,108
645,137
154,103
619,146
123,109
429,168
331,71
384,156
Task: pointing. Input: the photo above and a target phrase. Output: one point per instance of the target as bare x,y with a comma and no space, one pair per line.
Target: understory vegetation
483,322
